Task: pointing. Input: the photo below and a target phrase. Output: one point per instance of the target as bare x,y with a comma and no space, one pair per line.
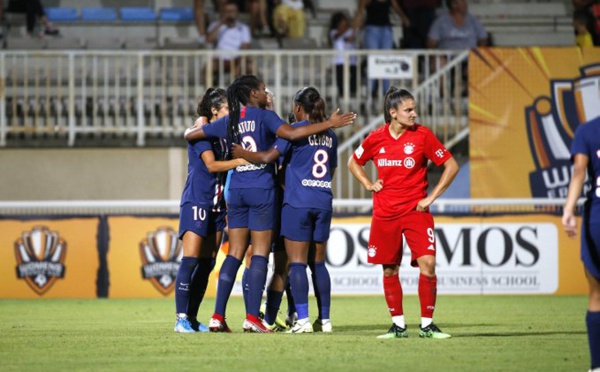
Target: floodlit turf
490,333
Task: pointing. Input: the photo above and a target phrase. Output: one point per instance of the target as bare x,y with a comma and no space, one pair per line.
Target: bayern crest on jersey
409,148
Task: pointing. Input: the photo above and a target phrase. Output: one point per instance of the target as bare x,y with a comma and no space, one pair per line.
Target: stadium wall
92,174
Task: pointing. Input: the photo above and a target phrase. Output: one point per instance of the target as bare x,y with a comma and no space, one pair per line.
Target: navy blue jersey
257,133
203,188
587,142
308,166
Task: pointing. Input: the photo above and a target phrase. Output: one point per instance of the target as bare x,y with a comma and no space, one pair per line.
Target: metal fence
108,95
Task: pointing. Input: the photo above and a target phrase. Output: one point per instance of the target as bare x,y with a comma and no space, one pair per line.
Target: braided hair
393,97
213,98
311,101
238,94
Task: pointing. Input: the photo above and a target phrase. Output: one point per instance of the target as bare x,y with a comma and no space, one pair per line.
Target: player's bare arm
336,120
260,157
215,166
195,131
359,173
450,171
580,163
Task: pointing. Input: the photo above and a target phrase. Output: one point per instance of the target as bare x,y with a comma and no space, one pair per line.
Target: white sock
399,321
425,322
181,316
324,321
304,320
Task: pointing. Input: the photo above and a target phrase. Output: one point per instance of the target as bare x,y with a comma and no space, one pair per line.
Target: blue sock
322,284
200,279
592,320
182,283
245,287
273,304
299,284
226,280
290,298
257,276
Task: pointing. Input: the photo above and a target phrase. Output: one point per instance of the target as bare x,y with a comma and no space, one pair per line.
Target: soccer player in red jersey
400,150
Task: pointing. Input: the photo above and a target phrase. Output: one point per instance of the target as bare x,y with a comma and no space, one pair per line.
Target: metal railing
70,96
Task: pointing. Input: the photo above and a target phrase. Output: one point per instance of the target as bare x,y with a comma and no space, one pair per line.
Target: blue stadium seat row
127,14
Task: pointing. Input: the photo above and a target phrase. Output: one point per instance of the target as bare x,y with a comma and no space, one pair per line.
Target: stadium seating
176,14
55,14
98,14
137,14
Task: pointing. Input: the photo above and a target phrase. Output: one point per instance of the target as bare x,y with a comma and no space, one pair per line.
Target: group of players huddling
236,132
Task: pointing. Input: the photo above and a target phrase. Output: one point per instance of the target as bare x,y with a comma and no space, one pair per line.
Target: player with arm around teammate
307,204
202,215
252,189
585,152
400,151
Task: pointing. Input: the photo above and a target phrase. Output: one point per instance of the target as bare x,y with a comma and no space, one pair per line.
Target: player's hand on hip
376,186
339,120
423,205
569,224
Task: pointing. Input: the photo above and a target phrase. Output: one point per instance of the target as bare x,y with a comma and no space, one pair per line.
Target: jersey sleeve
282,145
364,152
217,128
273,121
434,150
435,30
579,146
202,146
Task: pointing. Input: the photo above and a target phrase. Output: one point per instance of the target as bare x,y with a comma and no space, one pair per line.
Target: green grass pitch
490,333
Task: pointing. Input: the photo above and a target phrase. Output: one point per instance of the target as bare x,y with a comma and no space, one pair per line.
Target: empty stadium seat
138,14
98,14
62,14
176,14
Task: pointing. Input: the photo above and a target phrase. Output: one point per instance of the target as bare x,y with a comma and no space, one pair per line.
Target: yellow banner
55,258
143,257
524,106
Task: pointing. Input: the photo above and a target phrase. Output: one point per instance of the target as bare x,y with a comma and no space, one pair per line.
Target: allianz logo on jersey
40,257
551,124
407,162
161,253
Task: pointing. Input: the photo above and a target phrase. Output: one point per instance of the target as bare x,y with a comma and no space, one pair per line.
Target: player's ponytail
213,98
313,104
238,94
393,97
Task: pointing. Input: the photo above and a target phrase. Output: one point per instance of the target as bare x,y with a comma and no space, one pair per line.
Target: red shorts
385,239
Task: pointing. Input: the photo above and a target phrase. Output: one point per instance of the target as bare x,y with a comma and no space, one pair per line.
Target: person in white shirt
229,34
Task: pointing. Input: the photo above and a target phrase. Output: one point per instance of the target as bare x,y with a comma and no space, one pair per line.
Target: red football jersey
402,165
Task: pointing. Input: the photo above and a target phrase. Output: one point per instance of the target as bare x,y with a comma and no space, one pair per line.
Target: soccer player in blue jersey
307,204
252,189
202,215
585,152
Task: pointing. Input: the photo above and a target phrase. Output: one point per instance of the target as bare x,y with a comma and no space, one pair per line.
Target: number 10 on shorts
199,213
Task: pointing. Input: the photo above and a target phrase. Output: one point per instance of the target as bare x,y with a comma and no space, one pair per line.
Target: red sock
393,294
218,317
427,295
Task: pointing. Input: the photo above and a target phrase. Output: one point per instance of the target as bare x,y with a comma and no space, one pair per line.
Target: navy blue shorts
590,248
251,208
200,220
305,224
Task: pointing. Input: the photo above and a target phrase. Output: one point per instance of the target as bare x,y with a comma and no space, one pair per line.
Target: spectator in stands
342,37
592,9
583,38
457,29
289,19
421,14
375,15
33,9
230,34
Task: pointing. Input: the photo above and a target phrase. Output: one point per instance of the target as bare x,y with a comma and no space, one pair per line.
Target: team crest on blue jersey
161,253
40,257
551,124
